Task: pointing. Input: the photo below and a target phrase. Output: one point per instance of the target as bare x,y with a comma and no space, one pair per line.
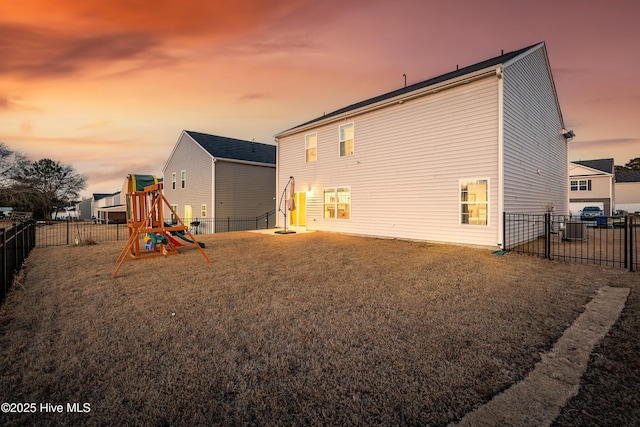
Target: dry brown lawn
301,329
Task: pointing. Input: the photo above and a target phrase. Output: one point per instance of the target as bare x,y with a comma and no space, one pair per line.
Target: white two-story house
439,160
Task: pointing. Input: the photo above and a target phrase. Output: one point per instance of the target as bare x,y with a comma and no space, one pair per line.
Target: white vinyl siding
243,190
404,176
535,153
190,157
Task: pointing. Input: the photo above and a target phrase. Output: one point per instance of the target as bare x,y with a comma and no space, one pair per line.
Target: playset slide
183,236
175,242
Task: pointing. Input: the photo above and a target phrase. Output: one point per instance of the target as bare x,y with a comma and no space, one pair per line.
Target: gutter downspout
500,157
275,199
213,192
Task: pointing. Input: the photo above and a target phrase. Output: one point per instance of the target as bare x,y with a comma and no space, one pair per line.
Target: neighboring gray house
88,208
209,176
628,191
591,183
439,160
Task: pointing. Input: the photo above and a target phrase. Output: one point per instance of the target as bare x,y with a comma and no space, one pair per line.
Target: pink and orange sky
108,86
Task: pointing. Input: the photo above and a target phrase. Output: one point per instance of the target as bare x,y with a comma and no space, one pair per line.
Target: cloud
618,98
13,104
290,45
254,97
602,143
169,17
96,125
76,34
38,53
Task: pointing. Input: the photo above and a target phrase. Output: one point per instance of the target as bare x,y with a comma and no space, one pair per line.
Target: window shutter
589,185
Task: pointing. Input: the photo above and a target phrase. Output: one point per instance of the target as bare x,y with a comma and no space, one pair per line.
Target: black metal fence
227,224
65,232
61,233
610,241
16,242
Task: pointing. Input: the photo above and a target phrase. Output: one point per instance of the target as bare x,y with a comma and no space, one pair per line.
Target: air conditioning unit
575,231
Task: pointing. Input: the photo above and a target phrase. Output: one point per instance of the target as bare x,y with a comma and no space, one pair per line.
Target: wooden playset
149,235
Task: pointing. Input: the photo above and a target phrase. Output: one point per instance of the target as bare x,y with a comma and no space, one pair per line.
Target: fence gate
606,240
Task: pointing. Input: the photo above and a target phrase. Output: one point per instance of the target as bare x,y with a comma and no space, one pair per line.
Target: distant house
209,176
628,191
88,208
103,208
438,160
66,213
591,184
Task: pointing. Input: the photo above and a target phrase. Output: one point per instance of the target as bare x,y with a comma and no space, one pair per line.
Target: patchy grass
300,329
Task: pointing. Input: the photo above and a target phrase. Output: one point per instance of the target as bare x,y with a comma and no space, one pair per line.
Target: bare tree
633,164
56,184
11,163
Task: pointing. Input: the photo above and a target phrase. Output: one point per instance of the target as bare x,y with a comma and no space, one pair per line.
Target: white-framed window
474,201
183,179
337,203
173,181
580,185
311,147
346,140
203,211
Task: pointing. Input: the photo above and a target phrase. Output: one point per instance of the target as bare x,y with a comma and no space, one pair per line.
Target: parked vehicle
589,213
5,213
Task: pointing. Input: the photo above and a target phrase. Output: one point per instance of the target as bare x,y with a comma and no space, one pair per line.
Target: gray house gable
628,176
211,176
221,147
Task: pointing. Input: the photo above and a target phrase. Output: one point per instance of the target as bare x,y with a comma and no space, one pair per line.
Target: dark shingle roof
604,165
235,149
628,176
98,196
421,85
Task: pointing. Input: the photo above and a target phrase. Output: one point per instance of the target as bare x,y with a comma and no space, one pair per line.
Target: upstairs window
474,201
173,181
346,140
183,179
310,146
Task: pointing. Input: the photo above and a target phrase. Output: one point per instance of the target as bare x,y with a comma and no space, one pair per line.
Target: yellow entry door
188,214
298,216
